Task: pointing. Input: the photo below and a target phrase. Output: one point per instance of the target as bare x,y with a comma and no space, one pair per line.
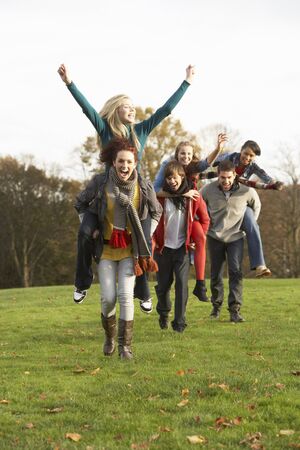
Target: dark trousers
219,253
172,262
86,250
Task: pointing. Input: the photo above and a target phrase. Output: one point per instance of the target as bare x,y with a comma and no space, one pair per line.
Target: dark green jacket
142,129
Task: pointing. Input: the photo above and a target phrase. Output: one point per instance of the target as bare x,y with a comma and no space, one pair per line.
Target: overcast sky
246,56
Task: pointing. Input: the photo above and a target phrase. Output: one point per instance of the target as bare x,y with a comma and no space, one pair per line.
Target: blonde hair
118,129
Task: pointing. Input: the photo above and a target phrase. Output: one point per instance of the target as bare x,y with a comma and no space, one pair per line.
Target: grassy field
217,385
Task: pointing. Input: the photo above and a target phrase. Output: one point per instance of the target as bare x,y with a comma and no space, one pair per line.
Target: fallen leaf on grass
223,422
185,392
252,438
294,445
182,403
154,437
296,372
197,419
4,402
192,371
73,436
43,396
197,439
222,386
78,370
280,386
153,397
27,372
95,371
180,373
251,406
141,446
55,410
29,426
286,432
165,429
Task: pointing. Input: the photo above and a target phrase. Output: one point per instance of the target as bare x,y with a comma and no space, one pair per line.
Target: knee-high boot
110,327
125,333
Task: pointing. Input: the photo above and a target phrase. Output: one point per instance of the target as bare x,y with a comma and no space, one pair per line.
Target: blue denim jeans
255,249
220,252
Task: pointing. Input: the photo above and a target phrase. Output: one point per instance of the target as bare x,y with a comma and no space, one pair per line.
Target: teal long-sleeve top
142,129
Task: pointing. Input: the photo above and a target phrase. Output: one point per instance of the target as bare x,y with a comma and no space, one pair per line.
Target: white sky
246,56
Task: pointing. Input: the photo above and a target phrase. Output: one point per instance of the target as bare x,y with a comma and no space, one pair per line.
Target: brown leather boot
125,333
110,327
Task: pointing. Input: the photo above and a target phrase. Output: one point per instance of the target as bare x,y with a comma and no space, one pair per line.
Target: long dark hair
174,167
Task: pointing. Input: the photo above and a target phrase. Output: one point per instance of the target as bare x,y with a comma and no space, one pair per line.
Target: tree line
39,224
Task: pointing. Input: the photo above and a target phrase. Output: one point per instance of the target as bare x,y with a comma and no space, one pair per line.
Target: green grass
241,373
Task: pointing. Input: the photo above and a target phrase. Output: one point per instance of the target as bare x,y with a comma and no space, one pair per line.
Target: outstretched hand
222,139
64,74
192,193
190,72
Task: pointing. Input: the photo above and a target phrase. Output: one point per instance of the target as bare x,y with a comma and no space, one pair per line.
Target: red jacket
195,210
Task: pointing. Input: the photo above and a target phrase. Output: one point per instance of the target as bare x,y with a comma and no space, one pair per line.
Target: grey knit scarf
123,191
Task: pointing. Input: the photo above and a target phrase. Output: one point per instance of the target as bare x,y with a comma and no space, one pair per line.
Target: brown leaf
43,396
251,406
95,371
237,420
197,419
257,447
55,410
280,386
73,436
183,403
196,439
222,386
200,393
294,445
185,392
180,373
296,372
286,432
191,371
29,426
252,438
4,402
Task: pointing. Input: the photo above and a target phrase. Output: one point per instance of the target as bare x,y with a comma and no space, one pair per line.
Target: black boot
236,317
215,314
163,322
125,333
200,291
110,327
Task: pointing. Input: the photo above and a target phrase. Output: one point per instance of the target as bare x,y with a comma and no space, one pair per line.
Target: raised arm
146,126
221,141
87,108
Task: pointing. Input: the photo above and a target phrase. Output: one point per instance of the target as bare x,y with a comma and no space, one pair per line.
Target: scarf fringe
119,239
144,264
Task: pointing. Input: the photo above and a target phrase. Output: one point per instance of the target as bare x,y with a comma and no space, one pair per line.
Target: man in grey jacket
226,201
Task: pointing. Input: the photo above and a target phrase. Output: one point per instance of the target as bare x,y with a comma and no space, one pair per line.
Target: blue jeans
220,252
255,249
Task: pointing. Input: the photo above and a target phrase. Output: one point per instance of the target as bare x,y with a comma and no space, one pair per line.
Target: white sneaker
79,295
262,271
146,305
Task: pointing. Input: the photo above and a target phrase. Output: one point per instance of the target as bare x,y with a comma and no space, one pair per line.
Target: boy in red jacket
172,238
